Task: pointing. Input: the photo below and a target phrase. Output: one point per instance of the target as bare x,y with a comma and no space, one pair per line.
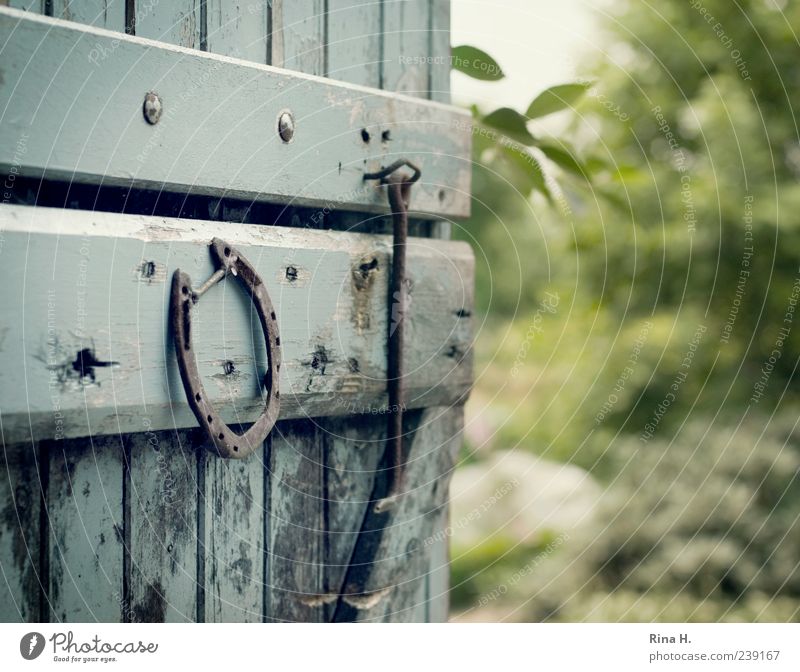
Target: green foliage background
699,522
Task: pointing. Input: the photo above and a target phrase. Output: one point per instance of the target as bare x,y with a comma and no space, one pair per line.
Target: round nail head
286,126
152,108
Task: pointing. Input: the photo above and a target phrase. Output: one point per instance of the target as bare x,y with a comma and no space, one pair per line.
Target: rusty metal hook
227,260
399,188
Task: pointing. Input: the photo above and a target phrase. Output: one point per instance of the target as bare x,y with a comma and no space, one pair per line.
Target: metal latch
399,189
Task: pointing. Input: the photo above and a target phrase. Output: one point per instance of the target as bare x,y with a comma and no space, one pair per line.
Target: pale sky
536,42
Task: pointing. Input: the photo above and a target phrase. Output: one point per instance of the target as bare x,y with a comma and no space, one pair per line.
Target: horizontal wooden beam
71,107
85,346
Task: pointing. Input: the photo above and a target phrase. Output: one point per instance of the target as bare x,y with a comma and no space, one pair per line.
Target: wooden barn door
144,523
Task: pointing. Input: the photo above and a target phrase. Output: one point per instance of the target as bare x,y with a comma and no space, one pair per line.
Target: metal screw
152,108
286,126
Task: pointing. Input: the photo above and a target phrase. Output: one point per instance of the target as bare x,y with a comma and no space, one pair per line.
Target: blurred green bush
684,245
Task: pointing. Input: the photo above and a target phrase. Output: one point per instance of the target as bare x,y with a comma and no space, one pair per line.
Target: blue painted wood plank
108,14
298,35
86,530
35,6
163,527
233,491
233,538
238,29
218,130
93,329
176,22
354,41
407,45
21,575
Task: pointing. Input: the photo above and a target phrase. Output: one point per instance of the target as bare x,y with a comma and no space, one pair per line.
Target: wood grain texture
234,538
176,22
218,130
35,6
164,560
276,537
108,14
297,490
298,35
20,507
238,29
297,530
85,521
93,343
354,41
232,527
407,45
387,577
440,66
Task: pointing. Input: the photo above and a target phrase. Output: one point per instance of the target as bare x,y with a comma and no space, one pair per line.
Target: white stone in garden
519,497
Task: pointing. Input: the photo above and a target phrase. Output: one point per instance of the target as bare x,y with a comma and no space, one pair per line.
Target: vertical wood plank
238,29
439,76
354,444
439,79
298,35
165,564
85,518
163,493
174,21
439,90
234,538
35,6
295,574
438,579
391,562
296,542
354,447
234,531
354,41
108,14
406,45
20,507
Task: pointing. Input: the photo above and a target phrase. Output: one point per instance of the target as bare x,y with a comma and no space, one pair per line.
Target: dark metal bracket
227,260
399,190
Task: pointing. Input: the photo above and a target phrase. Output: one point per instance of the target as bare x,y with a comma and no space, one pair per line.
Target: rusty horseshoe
227,260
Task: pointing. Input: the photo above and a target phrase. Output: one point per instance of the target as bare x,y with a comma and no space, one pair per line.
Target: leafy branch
506,133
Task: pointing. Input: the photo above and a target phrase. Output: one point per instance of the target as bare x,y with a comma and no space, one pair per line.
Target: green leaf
475,63
528,165
566,158
511,123
555,99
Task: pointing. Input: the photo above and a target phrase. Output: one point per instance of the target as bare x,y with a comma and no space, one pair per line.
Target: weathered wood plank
438,578
407,44
93,129
176,22
35,6
166,470
238,29
85,521
234,538
296,576
163,546
298,35
391,560
234,508
353,450
97,341
440,66
297,490
20,507
354,42
108,14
